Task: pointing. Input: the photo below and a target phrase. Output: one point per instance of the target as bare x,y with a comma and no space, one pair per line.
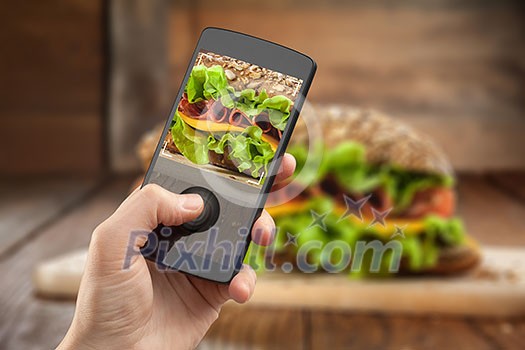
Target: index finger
286,169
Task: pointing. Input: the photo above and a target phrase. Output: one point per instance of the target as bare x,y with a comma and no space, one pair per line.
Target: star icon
379,217
318,220
354,207
291,239
399,232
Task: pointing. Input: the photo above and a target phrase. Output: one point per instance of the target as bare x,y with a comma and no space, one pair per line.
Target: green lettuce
247,101
278,110
247,150
347,163
402,185
207,83
212,83
419,251
191,143
423,251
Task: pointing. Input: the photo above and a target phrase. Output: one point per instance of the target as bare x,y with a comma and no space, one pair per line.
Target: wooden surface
52,90
32,323
29,322
26,206
453,69
500,276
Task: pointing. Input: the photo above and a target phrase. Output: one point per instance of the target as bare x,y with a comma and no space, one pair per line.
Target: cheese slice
406,226
207,125
288,208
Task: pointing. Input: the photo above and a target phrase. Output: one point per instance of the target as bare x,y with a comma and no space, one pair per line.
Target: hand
142,307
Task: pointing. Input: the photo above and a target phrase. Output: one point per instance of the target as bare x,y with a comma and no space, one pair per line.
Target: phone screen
230,119
223,135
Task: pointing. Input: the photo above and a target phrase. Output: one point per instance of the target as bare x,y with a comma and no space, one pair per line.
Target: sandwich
377,180
217,124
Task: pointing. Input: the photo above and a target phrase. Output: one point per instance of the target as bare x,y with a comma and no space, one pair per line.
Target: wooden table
44,218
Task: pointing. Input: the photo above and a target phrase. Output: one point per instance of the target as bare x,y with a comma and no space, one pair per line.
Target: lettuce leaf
217,84
247,150
402,185
278,110
195,86
347,163
207,83
246,100
419,251
450,231
191,143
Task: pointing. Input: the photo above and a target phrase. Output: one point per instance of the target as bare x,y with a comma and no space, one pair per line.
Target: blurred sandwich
377,180
236,130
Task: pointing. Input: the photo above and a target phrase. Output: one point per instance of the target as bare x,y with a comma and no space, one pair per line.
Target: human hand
140,306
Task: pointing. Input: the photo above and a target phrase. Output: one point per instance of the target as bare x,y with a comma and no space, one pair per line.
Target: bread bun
387,141
147,144
457,259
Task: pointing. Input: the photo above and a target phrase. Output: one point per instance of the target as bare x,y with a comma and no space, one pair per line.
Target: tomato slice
437,200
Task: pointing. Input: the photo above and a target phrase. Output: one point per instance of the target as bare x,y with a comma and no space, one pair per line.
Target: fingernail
192,202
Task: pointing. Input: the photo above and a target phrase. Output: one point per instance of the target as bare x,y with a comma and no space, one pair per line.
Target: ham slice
263,121
238,118
214,111
197,110
217,112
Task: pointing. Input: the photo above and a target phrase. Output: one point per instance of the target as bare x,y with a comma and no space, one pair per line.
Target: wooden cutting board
496,288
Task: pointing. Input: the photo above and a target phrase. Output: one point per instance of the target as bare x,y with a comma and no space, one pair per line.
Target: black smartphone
224,139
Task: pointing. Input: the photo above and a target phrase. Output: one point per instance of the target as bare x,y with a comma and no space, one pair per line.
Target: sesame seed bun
387,141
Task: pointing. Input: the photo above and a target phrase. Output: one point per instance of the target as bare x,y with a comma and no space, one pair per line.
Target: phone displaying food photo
231,117
224,140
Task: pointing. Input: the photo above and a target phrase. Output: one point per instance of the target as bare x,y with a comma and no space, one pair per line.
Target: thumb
138,215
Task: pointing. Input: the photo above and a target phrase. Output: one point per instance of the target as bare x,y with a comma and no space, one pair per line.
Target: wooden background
52,87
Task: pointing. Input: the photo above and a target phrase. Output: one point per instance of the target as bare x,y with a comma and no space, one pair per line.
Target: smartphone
224,139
